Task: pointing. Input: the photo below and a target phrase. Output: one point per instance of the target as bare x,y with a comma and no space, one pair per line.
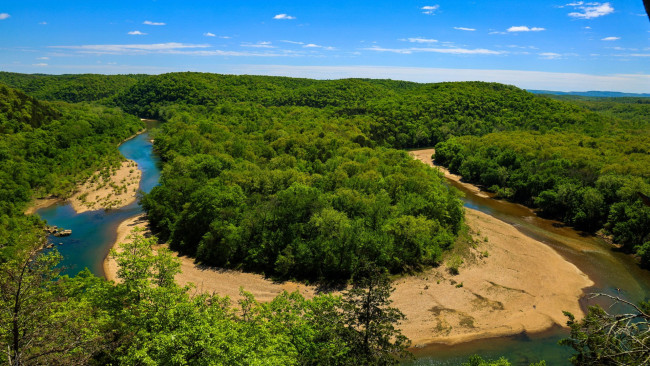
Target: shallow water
94,232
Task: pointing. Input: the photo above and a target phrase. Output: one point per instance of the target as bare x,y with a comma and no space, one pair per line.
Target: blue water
94,232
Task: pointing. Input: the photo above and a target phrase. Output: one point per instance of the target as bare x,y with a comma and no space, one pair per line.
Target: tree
602,338
39,322
371,321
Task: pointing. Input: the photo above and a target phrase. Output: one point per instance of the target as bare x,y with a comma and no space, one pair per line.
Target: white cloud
225,37
284,16
313,45
587,27
42,23
208,34
429,9
4,16
465,29
42,64
610,39
169,47
148,22
453,51
258,45
419,40
292,42
523,28
43,58
136,33
550,55
590,10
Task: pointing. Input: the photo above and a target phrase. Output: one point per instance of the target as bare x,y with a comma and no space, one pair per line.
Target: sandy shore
510,284
213,280
40,203
116,189
425,156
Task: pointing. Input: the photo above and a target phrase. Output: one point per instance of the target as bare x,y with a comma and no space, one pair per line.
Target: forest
297,179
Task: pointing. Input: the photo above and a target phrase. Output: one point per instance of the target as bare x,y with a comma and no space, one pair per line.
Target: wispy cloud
550,55
284,17
453,51
149,22
208,34
42,64
265,44
610,39
42,23
590,10
429,9
419,40
4,16
523,28
293,42
43,58
136,33
172,48
465,29
313,45
116,49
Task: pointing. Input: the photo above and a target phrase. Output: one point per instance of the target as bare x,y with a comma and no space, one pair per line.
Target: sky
544,44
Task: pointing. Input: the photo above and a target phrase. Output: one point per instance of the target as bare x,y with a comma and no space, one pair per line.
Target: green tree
602,338
40,323
372,323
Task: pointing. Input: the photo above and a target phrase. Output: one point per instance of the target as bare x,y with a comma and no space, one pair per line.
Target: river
94,232
614,273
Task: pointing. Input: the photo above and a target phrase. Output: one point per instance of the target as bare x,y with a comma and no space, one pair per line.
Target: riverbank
511,284
424,155
108,189
208,279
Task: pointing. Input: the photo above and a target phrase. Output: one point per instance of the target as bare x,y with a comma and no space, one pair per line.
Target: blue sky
559,45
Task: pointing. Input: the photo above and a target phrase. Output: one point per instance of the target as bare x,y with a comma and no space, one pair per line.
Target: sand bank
207,279
424,155
108,189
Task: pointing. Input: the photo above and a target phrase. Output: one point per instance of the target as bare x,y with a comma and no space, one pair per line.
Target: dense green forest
69,88
47,149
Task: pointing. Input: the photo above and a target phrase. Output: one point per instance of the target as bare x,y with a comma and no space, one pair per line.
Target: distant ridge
604,94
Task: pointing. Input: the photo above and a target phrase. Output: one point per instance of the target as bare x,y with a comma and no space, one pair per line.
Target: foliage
588,182
146,318
69,88
477,360
40,323
602,338
371,320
